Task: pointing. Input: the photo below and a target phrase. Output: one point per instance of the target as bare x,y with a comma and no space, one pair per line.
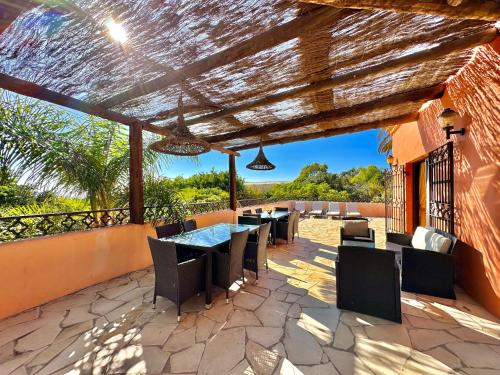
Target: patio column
136,187
232,183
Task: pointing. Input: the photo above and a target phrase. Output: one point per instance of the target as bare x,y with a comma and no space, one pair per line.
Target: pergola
253,71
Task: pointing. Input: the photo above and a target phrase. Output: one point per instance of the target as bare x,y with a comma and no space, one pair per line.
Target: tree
384,140
27,128
92,159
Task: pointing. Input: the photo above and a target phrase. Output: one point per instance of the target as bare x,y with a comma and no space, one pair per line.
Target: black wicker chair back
247,211
175,281
167,230
251,220
368,282
236,251
281,209
165,264
296,224
228,267
256,252
258,210
189,225
285,228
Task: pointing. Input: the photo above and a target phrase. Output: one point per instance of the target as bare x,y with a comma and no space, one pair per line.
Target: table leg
208,281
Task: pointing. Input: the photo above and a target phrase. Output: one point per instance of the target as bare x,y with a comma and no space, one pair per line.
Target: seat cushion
439,243
356,228
421,238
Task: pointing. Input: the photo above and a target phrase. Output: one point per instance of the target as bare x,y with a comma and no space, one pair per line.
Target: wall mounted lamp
448,118
391,160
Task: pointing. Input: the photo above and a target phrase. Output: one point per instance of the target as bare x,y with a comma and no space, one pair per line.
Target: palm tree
93,159
384,140
27,128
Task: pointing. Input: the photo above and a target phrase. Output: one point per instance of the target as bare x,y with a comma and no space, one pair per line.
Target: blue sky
339,153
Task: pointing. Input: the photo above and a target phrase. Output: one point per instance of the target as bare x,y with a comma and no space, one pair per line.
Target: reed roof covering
67,49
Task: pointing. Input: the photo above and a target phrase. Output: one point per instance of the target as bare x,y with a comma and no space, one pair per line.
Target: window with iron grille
440,178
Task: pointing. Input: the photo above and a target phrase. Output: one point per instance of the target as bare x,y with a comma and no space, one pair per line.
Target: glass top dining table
276,215
210,237
209,240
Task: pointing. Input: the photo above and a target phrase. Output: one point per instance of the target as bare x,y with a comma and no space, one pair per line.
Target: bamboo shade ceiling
67,50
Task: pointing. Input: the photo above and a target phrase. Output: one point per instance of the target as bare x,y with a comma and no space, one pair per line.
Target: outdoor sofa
356,230
427,262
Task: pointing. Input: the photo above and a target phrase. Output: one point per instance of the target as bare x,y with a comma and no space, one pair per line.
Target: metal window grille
395,199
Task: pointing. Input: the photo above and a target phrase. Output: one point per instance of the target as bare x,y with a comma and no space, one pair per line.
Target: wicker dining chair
228,267
177,281
296,225
167,230
189,225
284,229
281,209
251,220
247,211
256,252
258,210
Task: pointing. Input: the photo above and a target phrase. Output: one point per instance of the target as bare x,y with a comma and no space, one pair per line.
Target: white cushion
439,243
421,237
357,228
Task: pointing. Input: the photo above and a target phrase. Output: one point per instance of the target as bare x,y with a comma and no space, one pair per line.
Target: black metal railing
37,225
27,226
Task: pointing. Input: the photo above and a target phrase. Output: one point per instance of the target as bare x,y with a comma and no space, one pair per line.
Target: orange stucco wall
475,94
38,270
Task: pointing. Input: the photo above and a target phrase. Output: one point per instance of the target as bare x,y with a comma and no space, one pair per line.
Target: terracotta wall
475,94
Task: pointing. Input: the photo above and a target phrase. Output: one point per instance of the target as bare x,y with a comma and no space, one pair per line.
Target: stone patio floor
287,323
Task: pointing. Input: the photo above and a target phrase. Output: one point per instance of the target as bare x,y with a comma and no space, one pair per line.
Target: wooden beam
316,18
441,50
332,132
11,9
136,183
233,199
337,114
33,90
487,10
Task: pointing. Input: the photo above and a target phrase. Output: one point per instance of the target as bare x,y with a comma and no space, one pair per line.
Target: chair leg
227,296
267,266
179,312
154,300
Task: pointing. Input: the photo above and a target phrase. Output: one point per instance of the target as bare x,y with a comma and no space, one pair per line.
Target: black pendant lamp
260,163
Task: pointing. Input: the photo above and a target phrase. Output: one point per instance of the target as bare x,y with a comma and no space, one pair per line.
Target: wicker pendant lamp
181,141
260,163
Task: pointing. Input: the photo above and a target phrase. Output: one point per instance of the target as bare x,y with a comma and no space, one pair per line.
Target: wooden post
136,185
232,183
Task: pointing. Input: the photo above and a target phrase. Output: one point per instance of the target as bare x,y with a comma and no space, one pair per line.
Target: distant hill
264,186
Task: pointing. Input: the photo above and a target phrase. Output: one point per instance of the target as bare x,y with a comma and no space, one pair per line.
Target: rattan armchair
177,281
228,267
256,252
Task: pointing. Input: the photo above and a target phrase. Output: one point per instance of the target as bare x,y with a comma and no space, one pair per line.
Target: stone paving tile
247,300
224,352
188,360
263,361
284,323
